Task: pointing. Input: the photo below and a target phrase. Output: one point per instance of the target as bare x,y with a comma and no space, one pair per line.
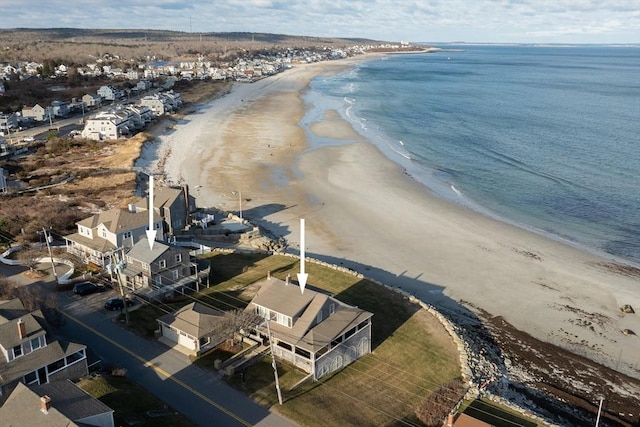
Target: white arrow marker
151,232
302,276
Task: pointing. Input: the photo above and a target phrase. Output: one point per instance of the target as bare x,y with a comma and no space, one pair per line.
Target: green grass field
412,353
130,401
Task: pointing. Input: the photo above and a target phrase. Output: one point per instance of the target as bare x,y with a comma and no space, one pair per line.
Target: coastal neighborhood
149,276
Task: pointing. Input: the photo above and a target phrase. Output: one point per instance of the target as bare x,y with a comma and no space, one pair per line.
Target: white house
108,125
311,330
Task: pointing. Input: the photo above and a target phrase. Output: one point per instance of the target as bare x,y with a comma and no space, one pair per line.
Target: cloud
417,20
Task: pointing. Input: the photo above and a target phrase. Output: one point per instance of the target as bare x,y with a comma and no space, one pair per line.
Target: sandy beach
363,211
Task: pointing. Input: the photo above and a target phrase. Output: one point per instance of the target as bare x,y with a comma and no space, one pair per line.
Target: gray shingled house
163,268
311,330
29,354
174,205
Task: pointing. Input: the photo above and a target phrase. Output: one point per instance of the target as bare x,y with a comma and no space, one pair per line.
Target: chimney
268,274
45,404
22,329
450,420
288,280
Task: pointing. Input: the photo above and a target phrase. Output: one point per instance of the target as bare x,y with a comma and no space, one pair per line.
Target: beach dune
363,211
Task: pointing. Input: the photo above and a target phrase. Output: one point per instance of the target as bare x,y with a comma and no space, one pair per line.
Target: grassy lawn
128,400
412,353
495,414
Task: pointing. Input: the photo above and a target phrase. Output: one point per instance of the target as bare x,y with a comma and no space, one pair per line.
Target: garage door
185,340
169,333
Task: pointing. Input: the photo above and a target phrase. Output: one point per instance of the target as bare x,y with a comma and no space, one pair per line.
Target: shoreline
360,206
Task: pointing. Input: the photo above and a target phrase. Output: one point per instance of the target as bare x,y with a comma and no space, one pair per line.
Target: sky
491,21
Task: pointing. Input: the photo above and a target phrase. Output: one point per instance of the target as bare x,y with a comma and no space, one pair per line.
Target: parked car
86,288
117,304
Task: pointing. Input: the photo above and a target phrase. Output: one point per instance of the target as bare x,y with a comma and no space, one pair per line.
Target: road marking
149,364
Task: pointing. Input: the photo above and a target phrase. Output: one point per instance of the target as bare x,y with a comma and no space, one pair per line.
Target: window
175,274
127,235
178,257
158,280
35,343
332,309
319,317
55,366
303,353
204,341
350,332
103,233
17,351
31,378
145,266
285,345
163,263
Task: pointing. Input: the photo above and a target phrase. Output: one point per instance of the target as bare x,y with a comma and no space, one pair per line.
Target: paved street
200,395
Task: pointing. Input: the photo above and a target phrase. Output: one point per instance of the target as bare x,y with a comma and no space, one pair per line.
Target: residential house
37,112
109,93
108,125
29,354
163,268
140,115
158,104
311,330
59,404
143,85
100,235
192,328
59,108
91,100
8,123
174,205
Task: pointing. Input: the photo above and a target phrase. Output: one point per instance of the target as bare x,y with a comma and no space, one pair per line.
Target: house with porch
29,355
91,100
192,329
102,234
311,330
163,268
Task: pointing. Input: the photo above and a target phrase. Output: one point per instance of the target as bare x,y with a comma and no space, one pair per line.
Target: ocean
543,137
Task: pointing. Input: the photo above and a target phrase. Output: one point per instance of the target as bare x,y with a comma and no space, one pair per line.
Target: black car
86,288
117,304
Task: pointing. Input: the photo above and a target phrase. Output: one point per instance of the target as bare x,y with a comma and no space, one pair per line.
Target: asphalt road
200,395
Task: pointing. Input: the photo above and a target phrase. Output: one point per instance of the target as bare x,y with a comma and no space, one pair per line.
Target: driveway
200,395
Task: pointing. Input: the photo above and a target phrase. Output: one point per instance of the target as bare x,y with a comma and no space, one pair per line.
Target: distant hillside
78,45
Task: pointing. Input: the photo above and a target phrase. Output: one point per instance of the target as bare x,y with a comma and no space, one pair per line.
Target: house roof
276,295
166,196
195,319
71,400
305,332
11,309
43,356
97,243
22,408
118,220
141,252
9,336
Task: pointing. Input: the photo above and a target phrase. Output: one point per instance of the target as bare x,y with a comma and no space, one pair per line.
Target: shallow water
544,137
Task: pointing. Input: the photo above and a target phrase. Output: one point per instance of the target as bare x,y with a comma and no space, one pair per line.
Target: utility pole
118,268
599,409
53,265
273,363
240,200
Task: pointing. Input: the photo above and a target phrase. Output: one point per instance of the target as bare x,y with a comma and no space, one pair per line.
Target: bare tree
237,323
30,257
